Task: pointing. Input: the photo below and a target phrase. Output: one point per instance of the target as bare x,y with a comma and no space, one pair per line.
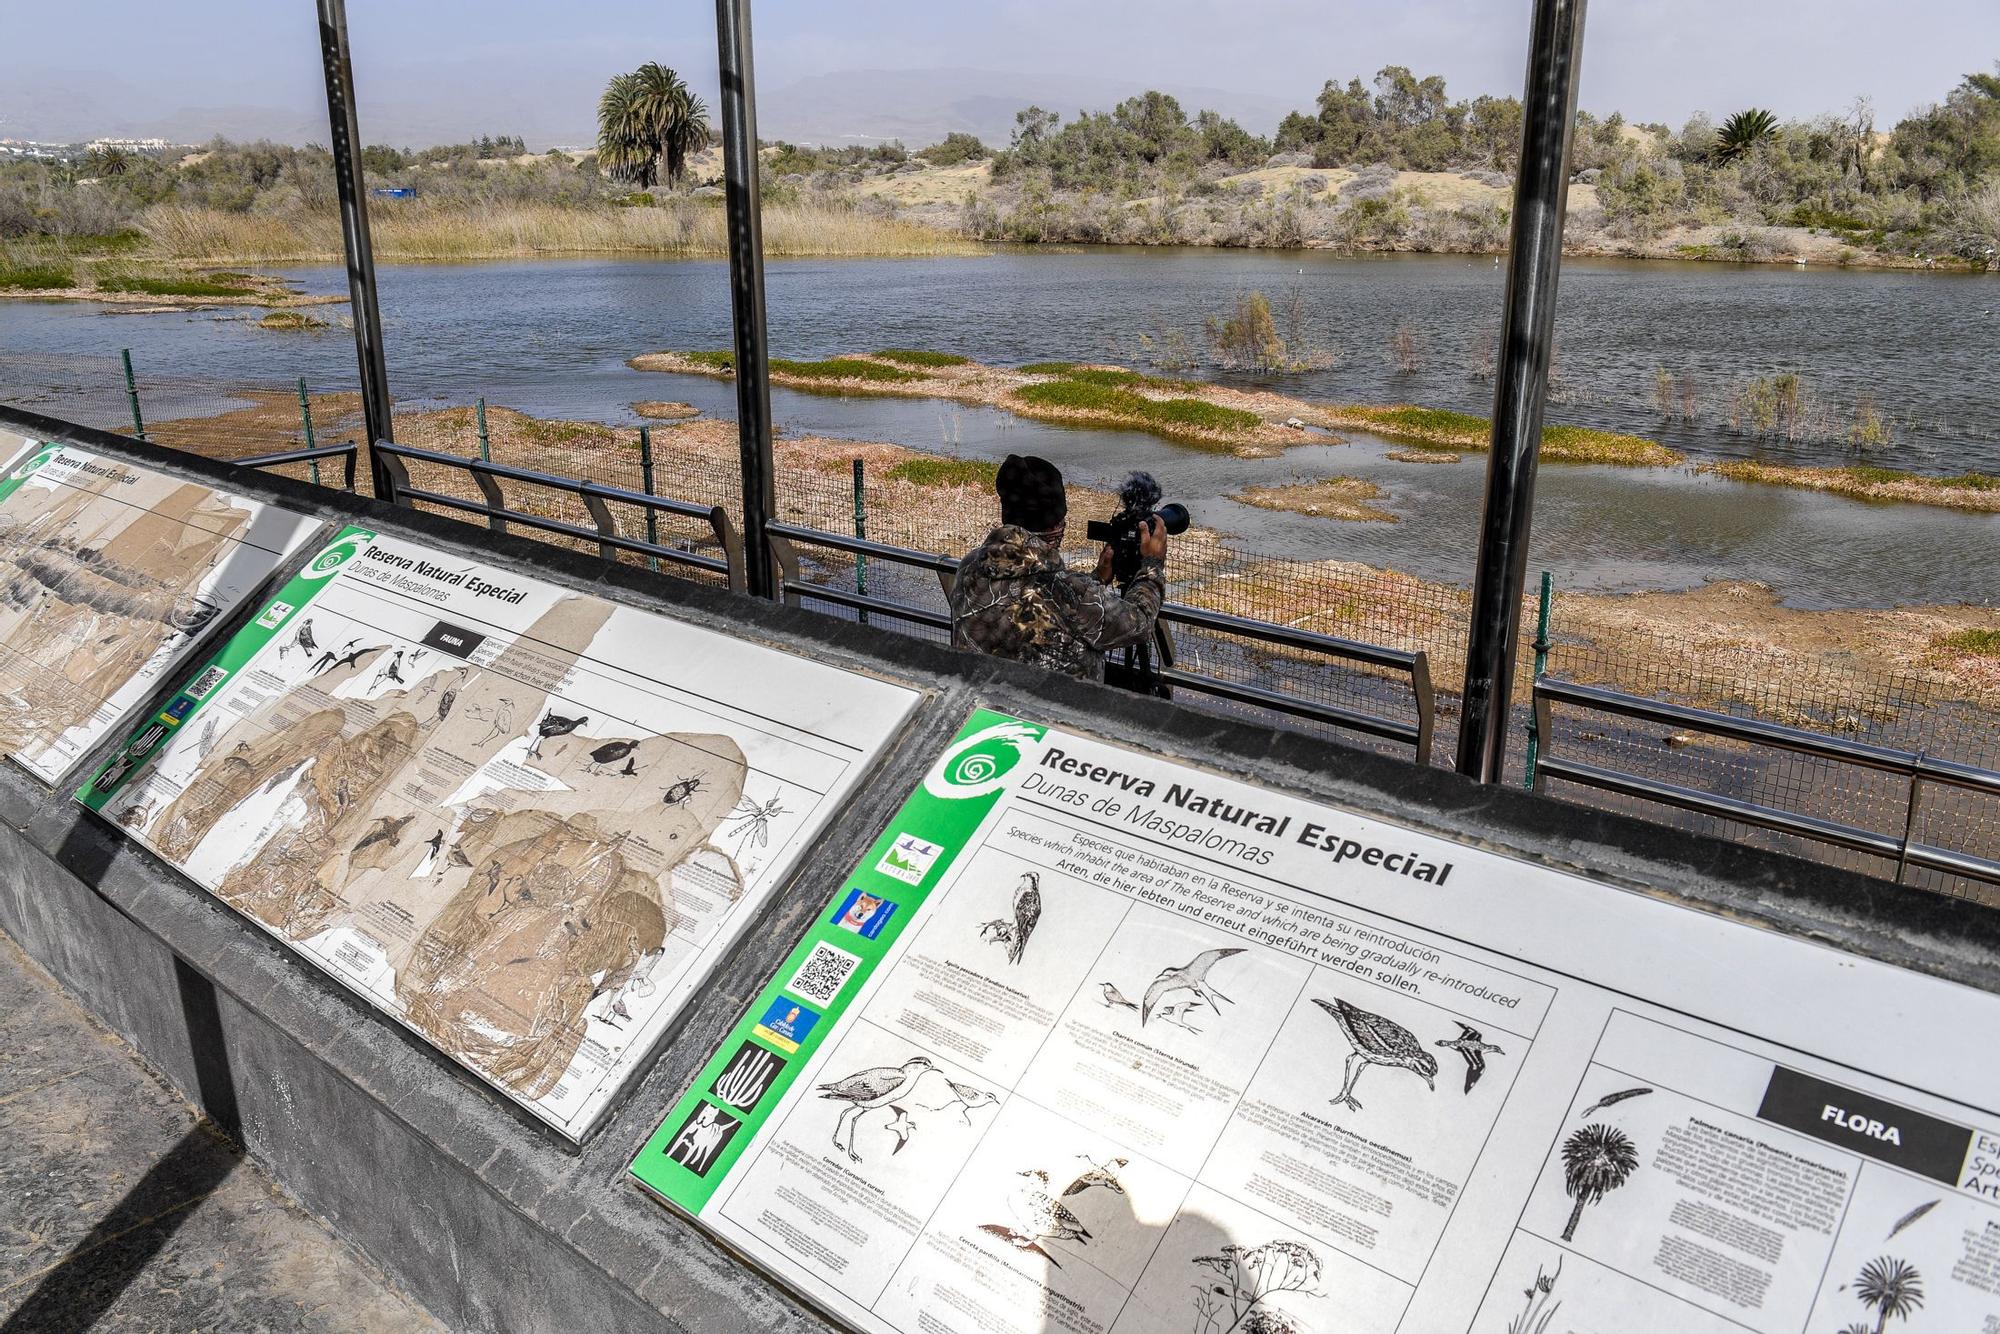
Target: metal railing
347,454
392,462
1415,665
1914,766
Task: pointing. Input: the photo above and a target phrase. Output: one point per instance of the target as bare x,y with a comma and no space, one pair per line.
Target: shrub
1249,336
953,149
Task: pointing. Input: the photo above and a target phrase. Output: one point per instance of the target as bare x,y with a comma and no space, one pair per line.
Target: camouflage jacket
1014,598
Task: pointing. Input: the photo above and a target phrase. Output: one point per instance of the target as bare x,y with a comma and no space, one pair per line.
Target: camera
1139,500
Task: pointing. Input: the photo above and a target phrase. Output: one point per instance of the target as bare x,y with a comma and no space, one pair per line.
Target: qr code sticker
206,682
823,974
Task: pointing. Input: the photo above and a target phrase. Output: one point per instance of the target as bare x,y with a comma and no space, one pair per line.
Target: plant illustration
1889,1287
1541,1308
1249,1275
1597,1160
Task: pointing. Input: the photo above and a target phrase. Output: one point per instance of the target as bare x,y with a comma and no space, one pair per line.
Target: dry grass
1978,492
421,234
663,410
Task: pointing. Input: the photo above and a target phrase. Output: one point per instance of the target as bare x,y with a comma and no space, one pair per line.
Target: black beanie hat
1031,493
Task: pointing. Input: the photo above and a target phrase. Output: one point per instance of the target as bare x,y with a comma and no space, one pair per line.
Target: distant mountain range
917,106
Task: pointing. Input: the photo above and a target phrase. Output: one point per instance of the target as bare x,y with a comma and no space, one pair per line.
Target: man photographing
1014,598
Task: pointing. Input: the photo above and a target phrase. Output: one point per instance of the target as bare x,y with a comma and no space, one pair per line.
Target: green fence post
306,419
646,479
1541,647
860,531
132,393
485,448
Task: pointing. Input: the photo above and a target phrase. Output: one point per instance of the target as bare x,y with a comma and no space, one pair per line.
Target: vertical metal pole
346,142
646,480
742,211
1541,665
485,445
860,530
1521,384
306,420
132,393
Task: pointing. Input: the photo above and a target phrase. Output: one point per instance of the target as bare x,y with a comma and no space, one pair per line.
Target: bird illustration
387,829
445,701
1115,998
1039,1216
1027,911
631,770
900,1127
552,724
1101,1175
610,753
436,843
866,1090
633,977
1176,1013
1190,976
302,638
1376,1041
1473,1046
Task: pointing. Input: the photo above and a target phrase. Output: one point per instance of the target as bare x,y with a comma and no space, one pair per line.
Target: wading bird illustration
554,724
1038,1217
609,753
1115,998
1597,1160
499,720
1190,976
1473,1046
681,791
632,978
865,1090
753,823
1376,1041
1027,911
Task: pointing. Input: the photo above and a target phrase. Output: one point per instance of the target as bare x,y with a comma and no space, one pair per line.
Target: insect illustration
681,791
752,822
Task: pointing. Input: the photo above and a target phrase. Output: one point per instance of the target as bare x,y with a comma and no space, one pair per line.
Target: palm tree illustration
1597,1160
1889,1287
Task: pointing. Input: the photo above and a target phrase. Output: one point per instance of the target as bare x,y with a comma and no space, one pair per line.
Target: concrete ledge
492,1222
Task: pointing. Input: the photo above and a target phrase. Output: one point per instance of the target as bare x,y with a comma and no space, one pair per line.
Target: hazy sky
460,63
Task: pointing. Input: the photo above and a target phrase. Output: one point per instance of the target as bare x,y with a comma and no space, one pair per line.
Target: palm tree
1743,132
1891,1287
1597,1160
648,124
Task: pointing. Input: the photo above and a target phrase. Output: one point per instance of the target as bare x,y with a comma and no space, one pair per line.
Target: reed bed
418,233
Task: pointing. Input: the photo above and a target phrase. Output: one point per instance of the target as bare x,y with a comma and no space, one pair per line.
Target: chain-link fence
948,511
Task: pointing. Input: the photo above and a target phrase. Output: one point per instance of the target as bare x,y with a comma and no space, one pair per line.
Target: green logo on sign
980,763
32,465
335,555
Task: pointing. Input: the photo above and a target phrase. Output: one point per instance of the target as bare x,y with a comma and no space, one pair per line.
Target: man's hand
1152,539
1104,563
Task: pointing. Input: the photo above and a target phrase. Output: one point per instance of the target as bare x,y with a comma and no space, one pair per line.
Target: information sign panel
109,573
1093,1041
522,820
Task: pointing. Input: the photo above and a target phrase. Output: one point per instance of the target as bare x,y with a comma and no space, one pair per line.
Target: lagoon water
551,337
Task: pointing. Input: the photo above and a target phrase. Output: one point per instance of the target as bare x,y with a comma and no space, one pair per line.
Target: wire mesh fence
1908,708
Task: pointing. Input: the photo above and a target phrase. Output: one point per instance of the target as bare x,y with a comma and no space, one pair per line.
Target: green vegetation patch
1047,368
840,368
717,360
915,356
1978,643
290,320
1870,475
1174,417
1440,428
37,278
944,472
170,286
